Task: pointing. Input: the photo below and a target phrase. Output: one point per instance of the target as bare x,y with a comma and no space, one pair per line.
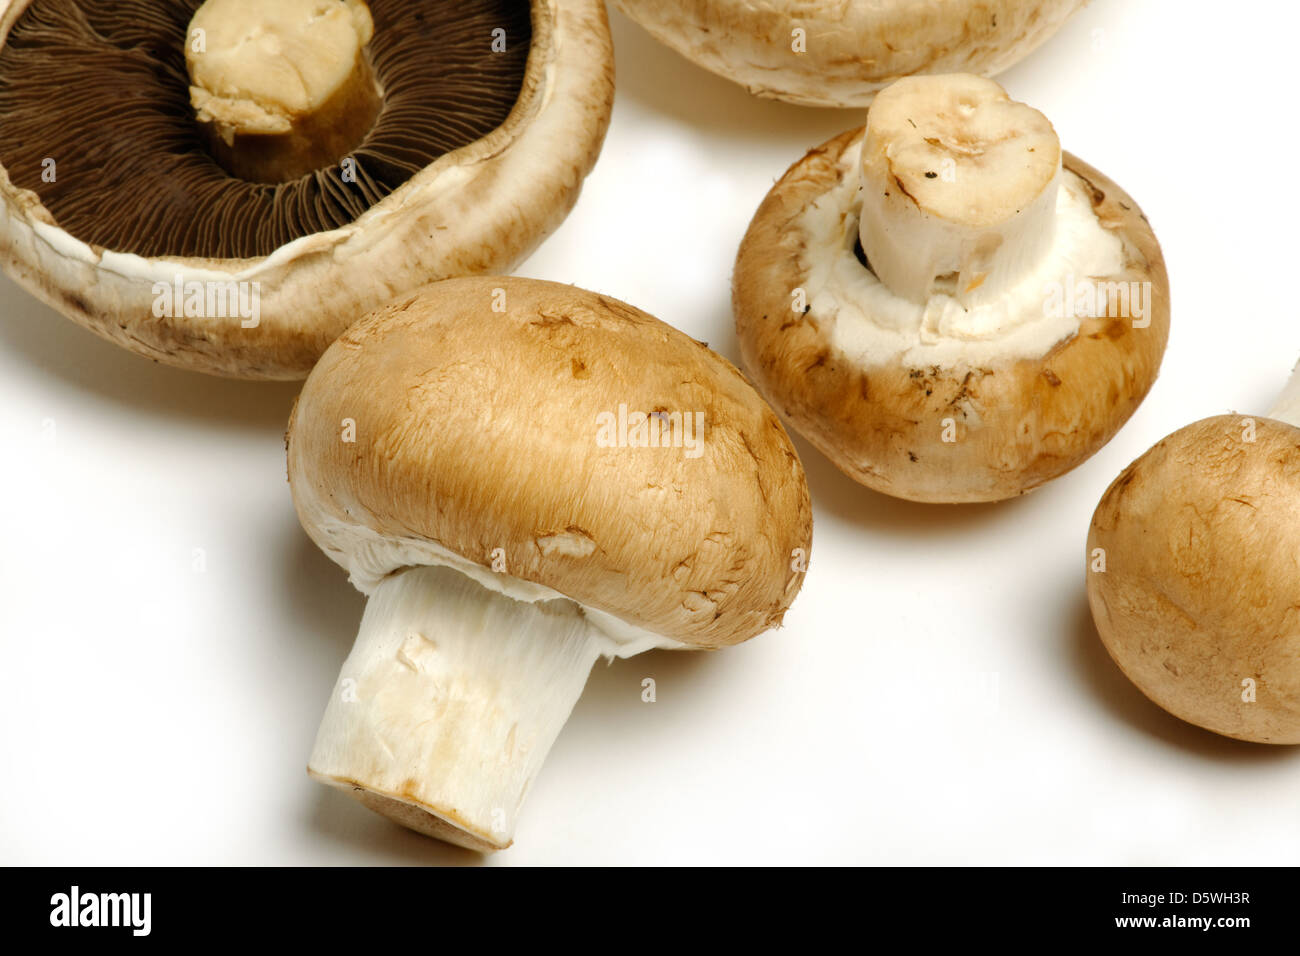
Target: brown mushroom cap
849,50
478,430
1019,422
475,156
1199,602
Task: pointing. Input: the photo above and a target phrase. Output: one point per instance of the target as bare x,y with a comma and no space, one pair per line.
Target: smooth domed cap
846,51
1200,539
487,433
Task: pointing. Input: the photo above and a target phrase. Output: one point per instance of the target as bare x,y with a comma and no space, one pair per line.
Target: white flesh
452,697
959,188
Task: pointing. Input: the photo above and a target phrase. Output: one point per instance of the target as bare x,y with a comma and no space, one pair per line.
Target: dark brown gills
101,88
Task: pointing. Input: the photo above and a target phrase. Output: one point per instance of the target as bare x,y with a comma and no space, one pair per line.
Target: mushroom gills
105,89
449,702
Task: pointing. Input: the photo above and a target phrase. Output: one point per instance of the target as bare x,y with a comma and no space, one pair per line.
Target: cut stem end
283,89
959,188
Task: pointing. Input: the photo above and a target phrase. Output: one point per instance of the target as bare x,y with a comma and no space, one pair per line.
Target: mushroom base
449,702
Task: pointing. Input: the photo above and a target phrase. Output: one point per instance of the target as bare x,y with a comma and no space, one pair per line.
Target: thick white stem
281,88
959,189
1287,406
449,702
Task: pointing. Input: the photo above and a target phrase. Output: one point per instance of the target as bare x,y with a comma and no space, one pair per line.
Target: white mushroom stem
959,188
1287,406
449,703
281,88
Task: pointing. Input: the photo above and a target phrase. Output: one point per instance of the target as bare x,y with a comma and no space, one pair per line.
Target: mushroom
836,53
1194,573
224,187
524,477
945,304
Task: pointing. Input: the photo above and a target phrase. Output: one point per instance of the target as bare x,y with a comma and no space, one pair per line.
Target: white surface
154,713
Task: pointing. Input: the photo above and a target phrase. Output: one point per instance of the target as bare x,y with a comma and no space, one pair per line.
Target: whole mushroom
1194,573
224,186
840,52
524,477
945,304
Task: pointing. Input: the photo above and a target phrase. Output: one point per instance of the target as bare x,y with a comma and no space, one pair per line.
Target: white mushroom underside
370,557
872,326
452,697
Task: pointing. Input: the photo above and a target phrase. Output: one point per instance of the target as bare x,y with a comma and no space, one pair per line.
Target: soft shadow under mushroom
343,822
659,79
45,341
837,493
1127,705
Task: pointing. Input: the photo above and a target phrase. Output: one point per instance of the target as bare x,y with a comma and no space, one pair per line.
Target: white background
938,694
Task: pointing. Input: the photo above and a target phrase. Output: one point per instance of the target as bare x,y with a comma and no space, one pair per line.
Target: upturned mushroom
945,304
1194,573
524,477
840,52
224,187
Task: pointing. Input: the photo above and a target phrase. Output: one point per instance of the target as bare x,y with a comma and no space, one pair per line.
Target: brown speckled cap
1193,573
478,430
